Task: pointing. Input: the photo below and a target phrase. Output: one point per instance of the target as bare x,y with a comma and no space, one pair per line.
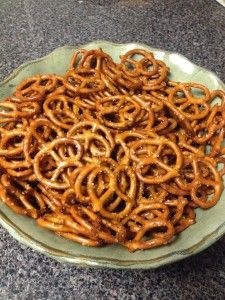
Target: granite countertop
30,29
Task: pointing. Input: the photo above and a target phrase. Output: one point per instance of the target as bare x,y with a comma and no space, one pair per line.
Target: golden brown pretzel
35,88
191,106
95,138
41,131
65,153
149,153
61,110
144,64
140,242
202,173
11,110
84,81
117,112
21,197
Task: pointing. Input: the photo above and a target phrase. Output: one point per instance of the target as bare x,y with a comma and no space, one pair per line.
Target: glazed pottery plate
210,225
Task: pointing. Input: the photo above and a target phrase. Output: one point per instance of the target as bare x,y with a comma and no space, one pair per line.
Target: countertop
30,29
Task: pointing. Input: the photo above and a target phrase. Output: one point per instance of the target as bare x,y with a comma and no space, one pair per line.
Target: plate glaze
210,224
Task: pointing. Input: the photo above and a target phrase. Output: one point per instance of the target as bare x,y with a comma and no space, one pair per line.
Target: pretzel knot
35,88
203,181
64,154
21,197
95,138
41,131
12,110
62,111
158,80
84,81
117,112
91,59
123,198
12,157
191,100
138,62
149,226
158,160
147,193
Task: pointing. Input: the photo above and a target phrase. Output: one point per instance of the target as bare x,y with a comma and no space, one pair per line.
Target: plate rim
90,261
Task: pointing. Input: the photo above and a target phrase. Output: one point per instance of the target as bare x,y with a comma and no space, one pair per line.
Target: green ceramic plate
210,224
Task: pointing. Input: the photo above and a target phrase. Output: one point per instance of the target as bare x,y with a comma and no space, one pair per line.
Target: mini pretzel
34,139
84,81
150,193
62,111
156,81
149,155
94,137
117,81
35,88
214,182
146,64
190,106
66,154
11,143
117,112
12,157
21,197
11,110
124,194
138,242
200,177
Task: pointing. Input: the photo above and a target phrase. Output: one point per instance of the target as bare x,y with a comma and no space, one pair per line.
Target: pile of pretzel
112,152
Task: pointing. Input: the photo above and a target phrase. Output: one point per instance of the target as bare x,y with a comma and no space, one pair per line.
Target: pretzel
66,154
35,88
117,111
156,81
91,59
112,152
139,242
210,178
61,110
114,76
21,197
124,194
147,193
144,64
94,137
12,157
11,110
147,153
84,81
189,105
11,143
41,131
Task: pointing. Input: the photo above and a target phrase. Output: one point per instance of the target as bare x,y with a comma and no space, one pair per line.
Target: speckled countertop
30,29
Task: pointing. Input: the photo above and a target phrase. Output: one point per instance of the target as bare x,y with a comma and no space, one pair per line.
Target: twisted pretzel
84,81
66,154
147,153
117,111
61,110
